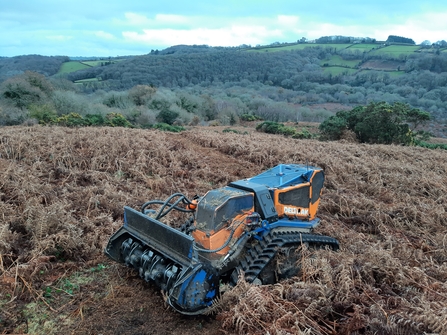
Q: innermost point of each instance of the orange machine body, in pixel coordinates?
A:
(223, 214)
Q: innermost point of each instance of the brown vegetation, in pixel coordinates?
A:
(61, 196)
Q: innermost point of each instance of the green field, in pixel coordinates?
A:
(93, 62)
(365, 47)
(280, 48)
(373, 48)
(299, 47)
(396, 50)
(71, 67)
(75, 65)
(337, 60)
(338, 46)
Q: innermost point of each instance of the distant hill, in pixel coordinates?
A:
(285, 65)
(48, 66)
(305, 74)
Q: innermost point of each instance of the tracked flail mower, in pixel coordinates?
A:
(246, 227)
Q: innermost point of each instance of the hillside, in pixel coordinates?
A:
(313, 74)
(11, 66)
(385, 57)
(263, 80)
(62, 195)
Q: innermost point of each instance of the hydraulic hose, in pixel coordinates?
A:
(168, 206)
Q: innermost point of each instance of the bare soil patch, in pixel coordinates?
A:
(384, 65)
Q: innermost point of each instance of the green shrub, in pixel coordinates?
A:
(303, 134)
(249, 117)
(377, 123)
(167, 116)
(94, 120)
(117, 120)
(168, 127)
(288, 131)
(427, 145)
(333, 127)
(44, 114)
(272, 127)
(72, 120)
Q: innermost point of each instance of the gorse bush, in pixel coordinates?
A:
(378, 123)
(94, 119)
(279, 128)
(72, 120)
(46, 115)
(333, 127)
(303, 134)
(117, 120)
(272, 127)
(249, 117)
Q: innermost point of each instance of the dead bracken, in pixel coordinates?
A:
(62, 193)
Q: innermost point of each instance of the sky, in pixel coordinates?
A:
(135, 27)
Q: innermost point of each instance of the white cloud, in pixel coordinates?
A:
(290, 21)
(159, 20)
(58, 38)
(132, 27)
(104, 35)
(173, 19)
(428, 26)
(226, 36)
(134, 19)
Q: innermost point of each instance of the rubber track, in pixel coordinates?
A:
(258, 257)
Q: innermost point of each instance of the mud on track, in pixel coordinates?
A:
(61, 196)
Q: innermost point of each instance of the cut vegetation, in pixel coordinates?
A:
(63, 191)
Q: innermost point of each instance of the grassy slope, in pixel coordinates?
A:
(337, 60)
(396, 50)
(72, 66)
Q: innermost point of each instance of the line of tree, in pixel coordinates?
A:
(344, 39)
(399, 39)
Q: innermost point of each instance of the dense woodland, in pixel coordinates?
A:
(202, 84)
(13, 66)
